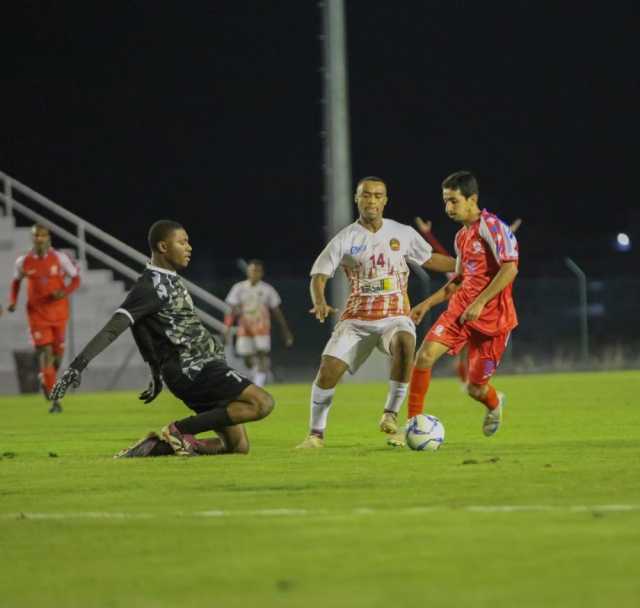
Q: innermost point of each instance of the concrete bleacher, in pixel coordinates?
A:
(92, 304)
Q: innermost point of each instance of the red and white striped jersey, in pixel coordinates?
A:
(375, 264)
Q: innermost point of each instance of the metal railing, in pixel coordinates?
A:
(78, 240)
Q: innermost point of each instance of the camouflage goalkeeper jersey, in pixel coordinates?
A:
(161, 303)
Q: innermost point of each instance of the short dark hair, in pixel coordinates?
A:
(37, 227)
(371, 178)
(160, 231)
(256, 262)
(465, 181)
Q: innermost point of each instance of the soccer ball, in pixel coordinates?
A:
(424, 433)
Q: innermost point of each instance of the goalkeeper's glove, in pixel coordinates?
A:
(153, 390)
(70, 378)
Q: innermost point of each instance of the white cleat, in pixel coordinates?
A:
(311, 442)
(397, 440)
(493, 417)
(389, 423)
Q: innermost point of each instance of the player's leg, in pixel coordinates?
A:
(485, 353)
(231, 440)
(57, 347)
(347, 349)
(399, 341)
(461, 364)
(262, 359)
(246, 348)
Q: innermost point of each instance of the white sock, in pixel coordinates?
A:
(321, 399)
(259, 378)
(396, 395)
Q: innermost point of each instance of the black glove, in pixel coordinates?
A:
(153, 390)
(70, 378)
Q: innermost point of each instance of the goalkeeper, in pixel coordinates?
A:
(182, 353)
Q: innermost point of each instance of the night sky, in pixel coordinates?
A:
(209, 113)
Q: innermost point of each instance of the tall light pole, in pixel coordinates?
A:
(337, 153)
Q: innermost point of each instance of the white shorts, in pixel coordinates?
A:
(352, 341)
(249, 345)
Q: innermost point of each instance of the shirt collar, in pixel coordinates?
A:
(150, 266)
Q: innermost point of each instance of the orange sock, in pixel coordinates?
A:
(49, 378)
(491, 398)
(420, 379)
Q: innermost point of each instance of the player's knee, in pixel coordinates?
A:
(425, 359)
(265, 404)
(241, 447)
(476, 391)
(404, 345)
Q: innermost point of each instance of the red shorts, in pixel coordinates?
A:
(43, 334)
(485, 352)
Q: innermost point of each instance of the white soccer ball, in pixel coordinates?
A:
(424, 433)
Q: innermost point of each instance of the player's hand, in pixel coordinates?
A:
(70, 378)
(153, 390)
(418, 312)
(423, 226)
(322, 311)
(11, 308)
(472, 312)
(58, 294)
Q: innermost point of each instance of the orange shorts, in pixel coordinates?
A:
(485, 352)
(43, 334)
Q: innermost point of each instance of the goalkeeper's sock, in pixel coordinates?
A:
(212, 420)
(321, 400)
(418, 387)
(48, 378)
(490, 398)
(395, 396)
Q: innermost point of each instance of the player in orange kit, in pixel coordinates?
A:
(46, 271)
(481, 312)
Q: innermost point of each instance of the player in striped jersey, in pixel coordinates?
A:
(481, 312)
(373, 253)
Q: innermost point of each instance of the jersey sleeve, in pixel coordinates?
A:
(329, 259)
(66, 263)
(18, 270)
(142, 301)
(273, 298)
(419, 251)
(233, 297)
(501, 240)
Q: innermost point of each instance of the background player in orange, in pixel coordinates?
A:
(373, 252)
(481, 313)
(253, 302)
(51, 277)
(460, 362)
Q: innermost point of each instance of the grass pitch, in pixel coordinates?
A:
(546, 513)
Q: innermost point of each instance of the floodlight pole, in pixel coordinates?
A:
(584, 320)
(335, 134)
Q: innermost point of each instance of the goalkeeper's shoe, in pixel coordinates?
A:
(311, 441)
(493, 418)
(181, 443)
(389, 423)
(55, 408)
(150, 445)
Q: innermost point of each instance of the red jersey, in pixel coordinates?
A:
(45, 275)
(481, 249)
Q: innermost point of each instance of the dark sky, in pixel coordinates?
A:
(209, 113)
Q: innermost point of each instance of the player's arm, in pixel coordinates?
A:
(504, 277)
(145, 346)
(321, 310)
(287, 336)
(71, 270)
(437, 297)
(440, 263)
(13, 294)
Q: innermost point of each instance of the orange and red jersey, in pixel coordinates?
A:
(45, 275)
(481, 249)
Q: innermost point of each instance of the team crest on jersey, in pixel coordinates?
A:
(356, 249)
(53, 270)
(439, 329)
(394, 244)
(476, 246)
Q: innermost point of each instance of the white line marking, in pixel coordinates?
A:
(356, 512)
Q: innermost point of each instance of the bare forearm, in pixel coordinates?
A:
(505, 276)
(440, 263)
(317, 287)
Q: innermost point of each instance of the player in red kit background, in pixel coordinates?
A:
(51, 276)
(481, 312)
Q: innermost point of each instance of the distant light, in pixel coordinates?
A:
(623, 242)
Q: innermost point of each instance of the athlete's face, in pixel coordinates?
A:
(41, 240)
(176, 249)
(371, 198)
(255, 272)
(458, 207)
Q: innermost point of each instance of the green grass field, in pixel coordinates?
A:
(546, 513)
